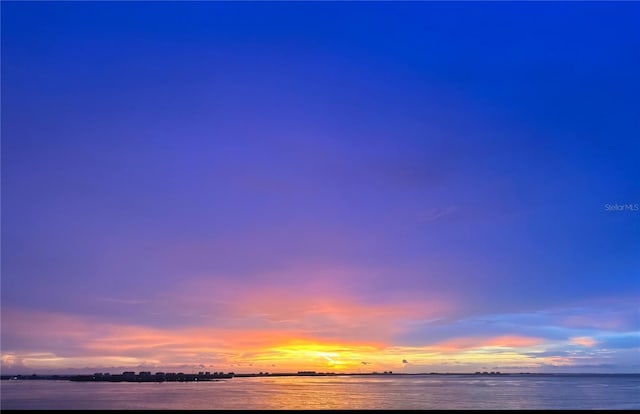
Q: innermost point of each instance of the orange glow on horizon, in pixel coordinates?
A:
(101, 344)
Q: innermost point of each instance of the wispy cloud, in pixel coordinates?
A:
(437, 213)
(584, 341)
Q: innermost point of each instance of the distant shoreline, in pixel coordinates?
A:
(181, 377)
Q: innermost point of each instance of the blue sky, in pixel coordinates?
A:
(426, 181)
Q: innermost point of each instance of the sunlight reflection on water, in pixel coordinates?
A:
(340, 392)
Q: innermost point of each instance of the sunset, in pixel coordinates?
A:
(328, 187)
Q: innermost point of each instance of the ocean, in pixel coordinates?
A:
(515, 391)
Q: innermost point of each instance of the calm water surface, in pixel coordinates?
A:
(340, 392)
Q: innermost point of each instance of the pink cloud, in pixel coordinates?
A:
(315, 301)
(584, 341)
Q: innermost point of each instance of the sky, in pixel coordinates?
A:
(328, 186)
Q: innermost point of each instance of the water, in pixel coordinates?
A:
(340, 392)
